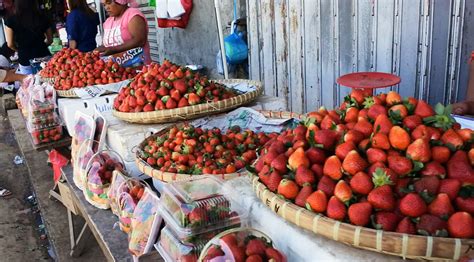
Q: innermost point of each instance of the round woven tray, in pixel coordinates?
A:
(196, 111)
(144, 167)
(403, 245)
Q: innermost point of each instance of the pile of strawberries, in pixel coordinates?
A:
(193, 150)
(71, 68)
(168, 86)
(378, 161)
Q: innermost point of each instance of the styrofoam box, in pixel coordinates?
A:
(68, 108)
(269, 103)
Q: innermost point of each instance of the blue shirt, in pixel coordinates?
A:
(83, 29)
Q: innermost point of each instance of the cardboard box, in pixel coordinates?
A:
(67, 198)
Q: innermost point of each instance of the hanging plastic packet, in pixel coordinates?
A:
(84, 129)
(83, 156)
(130, 195)
(117, 186)
(236, 50)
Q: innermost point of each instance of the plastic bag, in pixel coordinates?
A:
(145, 224)
(58, 161)
(117, 186)
(84, 128)
(183, 21)
(83, 156)
(236, 50)
(130, 194)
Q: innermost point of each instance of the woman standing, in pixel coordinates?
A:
(28, 32)
(125, 29)
(81, 26)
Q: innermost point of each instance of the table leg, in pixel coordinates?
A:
(81, 241)
(70, 220)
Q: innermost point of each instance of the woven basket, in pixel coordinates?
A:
(196, 111)
(144, 167)
(403, 245)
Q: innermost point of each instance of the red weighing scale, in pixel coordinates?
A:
(368, 81)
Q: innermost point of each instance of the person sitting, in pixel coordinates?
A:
(81, 26)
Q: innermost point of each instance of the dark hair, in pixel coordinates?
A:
(6, 51)
(81, 5)
(28, 13)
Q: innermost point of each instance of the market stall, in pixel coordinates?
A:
(195, 168)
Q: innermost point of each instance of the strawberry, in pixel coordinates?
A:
(364, 126)
(352, 114)
(412, 205)
(461, 225)
(441, 206)
(354, 163)
(343, 191)
(182, 102)
(406, 226)
(171, 104)
(380, 140)
(212, 252)
(252, 258)
(382, 198)
(451, 139)
(259, 165)
(419, 150)
(374, 167)
(459, 168)
(328, 122)
(298, 158)
(317, 202)
(278, 147)
(304, 193)
(376, 155)
(470, 155)
(197, 216)
(466, 134)
(238, 253)
(429, 184)
(423, 110)
(332, 168)
(174, 94)
(450, 186)
(317, 170)
(327, 185)
(361, 183)
(148, 108)
(288, 189)
(316, 155)
(398, 112)
(229, 240)
(343, 149)
(421, 131)
(274, 180)
(386, 221)
(399, 138)
(255, 246)
(274, 255)
(326, 138)
(353, 136)
(304, 175)
(359, 213)
(400, 165)
(411, 122)
(364, 145)
(383, 124)
(440, 154)
(393, 98)
(336, 209)
(465, 204)
(430, 225)
(375, 111)
(381, 177)
(279, 163)
(433, 169)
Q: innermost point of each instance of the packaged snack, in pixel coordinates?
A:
(117, 186)
(146, 223)
(197, 206)
(99, 175)
(84, 128)
(130, 194)
(83, 155)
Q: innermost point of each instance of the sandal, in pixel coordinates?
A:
(4, 192)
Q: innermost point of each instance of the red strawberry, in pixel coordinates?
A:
(343, 149)
(353, 136)
(273, 254)
(380, 140)
(336, 209)
(382, 198)
(461, 225)
(298, 158)
(401, 186)
(450, 186)
(358, 95)
(328, 122)
(332, 168)
(423, 110)
(412, 205)
(213, 251)
(255, 246)
(304, 193)
(400, 165)
(431, 225)
(433, 169)
(419, 150)
(343, 191)
(386, 221)
(429, 184)
(327, 185)
(364, 126)
(411, 122)
(421, 131)
(288, 189)
(406, 226)
(229, 240)
(253, 258)
(465, 204)
(458, 167)
(270, 156)
(171, 104)
(175, 95)
(326, 138)
(354, 163)
(359, 213)
(376, 155)
(466, 134)
(399, 138)
(274, 180)
(182, 102)
(451, 139)
(279, 163)
(441, 206)
(352, 115)
(278, 147)
(374, 167)
(316, 155)
(375, 111)
(393, 98)
(364, 145)
(361, 183)
(317, 170)
(317, 202)
(383, 124)
(304, 176)
(238, 253)
(470, 155)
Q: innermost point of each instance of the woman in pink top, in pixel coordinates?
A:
(125, 29)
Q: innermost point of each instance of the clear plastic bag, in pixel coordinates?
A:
(130, 193)
(117, 186)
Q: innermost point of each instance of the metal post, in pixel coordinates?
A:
(221, 38)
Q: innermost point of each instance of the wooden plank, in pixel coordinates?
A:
(296, 56)
(384, 36)
(364, 34)
(253, 39)
(312, 65)
(346, 42)
(281, 49)
(327, 55)
(268, 50)
(466, 49)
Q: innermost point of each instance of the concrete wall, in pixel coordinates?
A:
(199, 42)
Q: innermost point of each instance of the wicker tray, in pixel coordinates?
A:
(196, 111)
(403, 245)
(144, 167)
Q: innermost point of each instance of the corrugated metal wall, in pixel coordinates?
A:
(298, 48)
(149, 13)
